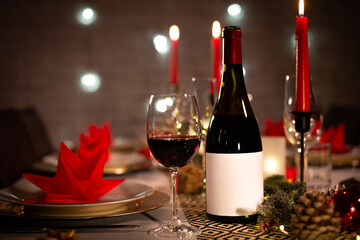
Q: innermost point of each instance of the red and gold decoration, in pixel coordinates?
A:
(347, 203)
(309, 215)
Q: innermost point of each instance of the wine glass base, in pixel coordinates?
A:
(175, 231)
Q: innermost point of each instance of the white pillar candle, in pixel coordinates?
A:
(274, 150)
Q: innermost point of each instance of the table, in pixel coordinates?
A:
(192, 210)
(195, 211)
(139, 223)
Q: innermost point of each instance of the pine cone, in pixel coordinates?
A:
(315, 218)
(267, 224)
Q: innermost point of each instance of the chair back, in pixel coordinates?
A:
(16, 150)
(37, 132)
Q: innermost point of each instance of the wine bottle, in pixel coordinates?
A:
(234, 170)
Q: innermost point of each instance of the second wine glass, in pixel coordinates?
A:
(314, 134)
(310, 137)
(173, 135)
(206, 93)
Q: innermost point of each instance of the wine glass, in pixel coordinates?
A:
(205, 91)
(316, 119)
(313, 135)
(173, 135)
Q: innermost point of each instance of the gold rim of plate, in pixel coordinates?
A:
(339, 160)
(109, 169)
(121, 169)
(84, 211)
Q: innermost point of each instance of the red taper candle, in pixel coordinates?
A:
(302, 93)
(216, 52)
(174, 34)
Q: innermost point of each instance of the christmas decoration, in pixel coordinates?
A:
(315, 218)
(347, 203)
(278, 205)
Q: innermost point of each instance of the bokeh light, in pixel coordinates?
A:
(86, 16)
(161, 44)
(162, 105)
(90, 82)
(234, 10)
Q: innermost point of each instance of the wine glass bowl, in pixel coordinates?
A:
(205, 90)
(316, 118)
(173, 135)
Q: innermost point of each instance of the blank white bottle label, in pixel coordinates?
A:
(234, 183)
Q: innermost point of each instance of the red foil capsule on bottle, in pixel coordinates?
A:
(232, 45)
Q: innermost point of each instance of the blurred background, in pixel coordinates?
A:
(47, 48)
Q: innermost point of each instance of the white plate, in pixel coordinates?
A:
(117, 200)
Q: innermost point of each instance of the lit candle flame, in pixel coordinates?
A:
(216, 29)
(271, 164)
(174, 32)
(301, 8)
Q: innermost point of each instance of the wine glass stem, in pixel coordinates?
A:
(174, 172)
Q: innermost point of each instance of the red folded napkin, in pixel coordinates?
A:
(76, 180)
(145, 151)
(317, 127)
(274, 128)
(336, 137)
(99, 138)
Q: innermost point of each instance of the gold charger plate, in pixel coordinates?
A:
(119, 163)
(125, 162)
(136, 198)
(346, 159)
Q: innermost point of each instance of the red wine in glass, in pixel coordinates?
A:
(173, 151)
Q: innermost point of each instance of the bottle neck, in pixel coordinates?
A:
(232, 50)
(233, 78)
(233, 98)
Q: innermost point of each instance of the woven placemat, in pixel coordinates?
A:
(194, 209)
